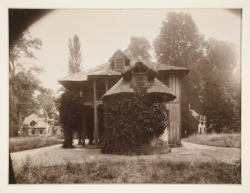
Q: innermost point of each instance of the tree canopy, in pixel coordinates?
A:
(23, 80)
(75, 56)
(210, 87)
(139, 48)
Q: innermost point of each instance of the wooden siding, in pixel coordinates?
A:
(174, 107)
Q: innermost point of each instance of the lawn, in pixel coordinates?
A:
(218, 140)
(136, 171)
(25, 143)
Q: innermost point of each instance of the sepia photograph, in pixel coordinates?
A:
(125, 96)
(135, 96)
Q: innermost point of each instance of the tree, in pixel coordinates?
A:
(179, 43)
(75, 56)
(70, 111)
(23, 81)
(220, 91)
(75, 59)
(46, 101)
(140, 48)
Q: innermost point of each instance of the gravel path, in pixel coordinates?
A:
(55, 155)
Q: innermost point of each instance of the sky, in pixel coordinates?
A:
(103, 31)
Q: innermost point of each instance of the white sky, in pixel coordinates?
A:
(102, 32)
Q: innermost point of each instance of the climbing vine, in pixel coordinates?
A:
(131, 122)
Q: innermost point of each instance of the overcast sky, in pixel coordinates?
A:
(102, 32)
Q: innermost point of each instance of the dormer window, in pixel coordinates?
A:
(140, 79)
(119, 61)
(119, 64)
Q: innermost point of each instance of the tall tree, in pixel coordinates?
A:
(140, 48)
(179, 43)
(220, 90)
(23, 81)
(75, 56)
(75, 60)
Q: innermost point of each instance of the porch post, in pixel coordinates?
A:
(83, 127)
(106, 84)
(95, 116)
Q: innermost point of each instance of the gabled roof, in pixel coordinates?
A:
(155, 88)
(27, 120)
(140, 64)
(121, 87)
(106, 72)
(127, 59)
(106, 69)
(41, 124)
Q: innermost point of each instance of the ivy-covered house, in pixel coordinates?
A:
(101, 82)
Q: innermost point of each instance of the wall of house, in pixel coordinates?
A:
(173, 82)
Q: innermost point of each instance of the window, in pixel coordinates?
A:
(140, 80)
(41, 131)
(119, 64)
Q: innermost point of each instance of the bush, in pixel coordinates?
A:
(25, 143)
(218, 140)
(70, 111)
(131, 122)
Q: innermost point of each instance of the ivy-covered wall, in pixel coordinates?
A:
(131, 122)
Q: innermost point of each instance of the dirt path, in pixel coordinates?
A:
(55, 155)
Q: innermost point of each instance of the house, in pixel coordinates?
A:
(97, 83)
(197, 122)
(34, 125)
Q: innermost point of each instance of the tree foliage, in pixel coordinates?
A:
(70, 111)
(220, 90)
(131, 122)
(75, 56)
(179, 43)
(209, 87)
(46, 101)
(139, 48)
(23, 80)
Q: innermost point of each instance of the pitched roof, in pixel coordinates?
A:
(105, 72)
(30, 118)
(121, 52)
(194, 114)
(105, 68)
(41, 124)
(139, 64)
(156, 88)
(120, 87)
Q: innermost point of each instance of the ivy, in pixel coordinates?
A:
(131, 122)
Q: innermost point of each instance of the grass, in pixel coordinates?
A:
(137, 171)
(25, 143)
(218, 140)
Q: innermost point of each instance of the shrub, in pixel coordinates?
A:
(70, 111)
(131, 122)
(25, 143)
(219, 140)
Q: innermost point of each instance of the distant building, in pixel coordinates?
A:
(34, 125)
(197, 122)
